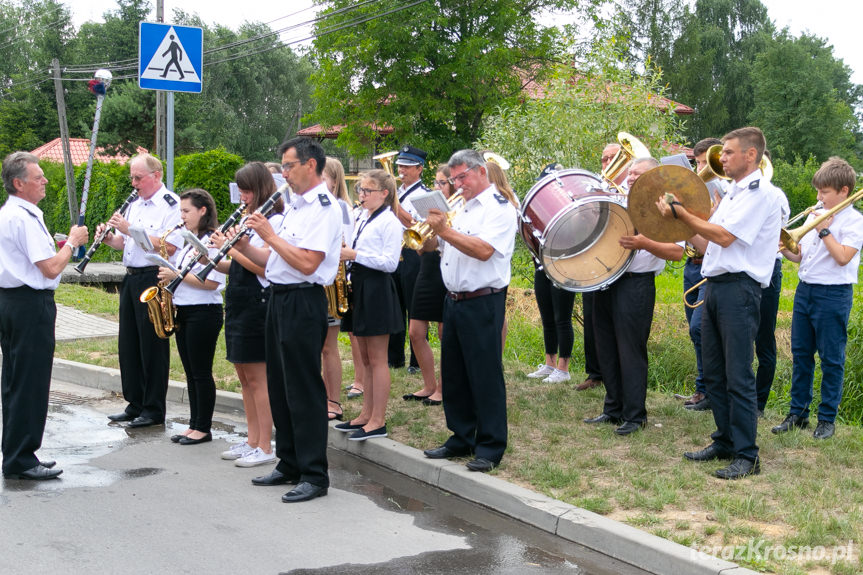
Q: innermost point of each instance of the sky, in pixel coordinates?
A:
(829, 19)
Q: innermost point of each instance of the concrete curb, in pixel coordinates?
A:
(606, 536)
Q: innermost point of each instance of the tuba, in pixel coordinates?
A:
(415, 236)
(160, 302)
(630, 148)
(387, 160)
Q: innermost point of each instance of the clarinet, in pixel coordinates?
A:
(175, 283)
(232, 219)
(97, 241)
(264, 210)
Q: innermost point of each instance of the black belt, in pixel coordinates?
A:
(279, 288)
(24, 289)
(638, 274)
(729, 277)
(143, 270)
(463, 295)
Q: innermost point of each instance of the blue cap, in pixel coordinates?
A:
(410, 156)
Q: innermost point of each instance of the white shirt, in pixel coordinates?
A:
(754, 217)
(817, 266)
(312, 221)
(404, 197)
(186, 294)
(348, 221)
(24, 240)
(786, 213)
(255, 240)
(644, 261)
(490, 217)
(155, 215)
(379, 244)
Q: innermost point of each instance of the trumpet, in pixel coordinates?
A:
(97, 241)
(264, 210)
(418, 234)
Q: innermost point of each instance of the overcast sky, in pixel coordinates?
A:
(830, 19)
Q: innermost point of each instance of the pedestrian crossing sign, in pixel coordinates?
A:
(170, 57)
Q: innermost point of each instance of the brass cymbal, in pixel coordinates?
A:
(647, 189)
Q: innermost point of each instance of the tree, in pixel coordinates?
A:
(578, 114)
(805, 100)
(432, 70)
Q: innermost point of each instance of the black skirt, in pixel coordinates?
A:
(245, 316)
(429, 292)
(374, 304)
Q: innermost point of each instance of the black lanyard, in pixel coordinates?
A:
(409, 190)
(365, 223)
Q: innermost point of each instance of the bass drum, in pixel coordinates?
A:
(572, 226)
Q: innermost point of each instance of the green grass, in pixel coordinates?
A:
(809, 493)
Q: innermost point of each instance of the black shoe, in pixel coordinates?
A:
(38, 473)
(275, 477)
(142, 421)
(603, 418)
(428, 401)
(123, 416)
(629, 427)
(303, 492)
(189, 441)
(791, 421)
(177, 438)
(709, 453)
(480, 464)
(739, 468)
(49, 463)
(824, 430)
(347, 426)
(413, 370)
(702, 404)
(442, 452)
(361, 434)
(414, 397)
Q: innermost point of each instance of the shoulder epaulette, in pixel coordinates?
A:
(325, 201)
(501, 199)
(171, 201)
(753, 185)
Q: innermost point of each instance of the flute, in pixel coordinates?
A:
(264, 210)
(97, 241)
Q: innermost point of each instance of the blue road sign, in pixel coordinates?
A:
(170, 58)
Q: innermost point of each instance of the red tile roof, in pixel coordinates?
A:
(79, 149)
(318, 131)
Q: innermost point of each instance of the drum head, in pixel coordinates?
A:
(580, 251)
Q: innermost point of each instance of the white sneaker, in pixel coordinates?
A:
(542, 371)
(237, 451)
(256, 457)
(557, 376)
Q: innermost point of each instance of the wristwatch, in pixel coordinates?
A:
(824, 233)
(72, 247)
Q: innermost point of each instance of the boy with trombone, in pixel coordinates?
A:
(829, 254)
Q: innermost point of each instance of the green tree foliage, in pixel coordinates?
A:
(795, 179)
(213, 171)
(432, 71)
(804, 99)
(578, 114)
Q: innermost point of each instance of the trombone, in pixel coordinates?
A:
(790, 239)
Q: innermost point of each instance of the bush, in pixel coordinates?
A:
(212, 171)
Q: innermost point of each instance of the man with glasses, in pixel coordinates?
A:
(476, 252)
(301, 257)
(144, 356)
(410, 163)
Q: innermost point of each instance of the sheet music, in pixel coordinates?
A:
(142, 238)
(161, 262)
(423, 202)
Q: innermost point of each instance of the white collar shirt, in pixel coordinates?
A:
(313, 221)
(404, 197)
(644, 262)
(751, 212)
(379, 241)
(25, 240)
(156, 216)
(187, 294)
(254, 239)
(490, 217)
(817, 266)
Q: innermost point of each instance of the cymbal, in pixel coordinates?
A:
(647, 189)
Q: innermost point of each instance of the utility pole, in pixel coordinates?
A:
(161, 109)
(64, 142)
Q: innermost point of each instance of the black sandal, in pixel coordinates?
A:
(338, 416)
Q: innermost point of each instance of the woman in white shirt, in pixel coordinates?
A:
(199, 317)
(373, 256)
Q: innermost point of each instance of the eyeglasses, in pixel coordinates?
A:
(366, 191)
(288, 166)
(139, 178)
(455, 180)
(441, 183)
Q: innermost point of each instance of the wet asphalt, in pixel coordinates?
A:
(130, 501)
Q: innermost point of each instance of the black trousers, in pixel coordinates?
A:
(622, 316)
(296, 328)
(474, 397)
(555, 310)
(405, 277)
(27, 319)
(144, 358)
(198, 328)
(728, 327)
(591, 359)
(765, 339)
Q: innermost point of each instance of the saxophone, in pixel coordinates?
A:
(160, 302)
(338, 302)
